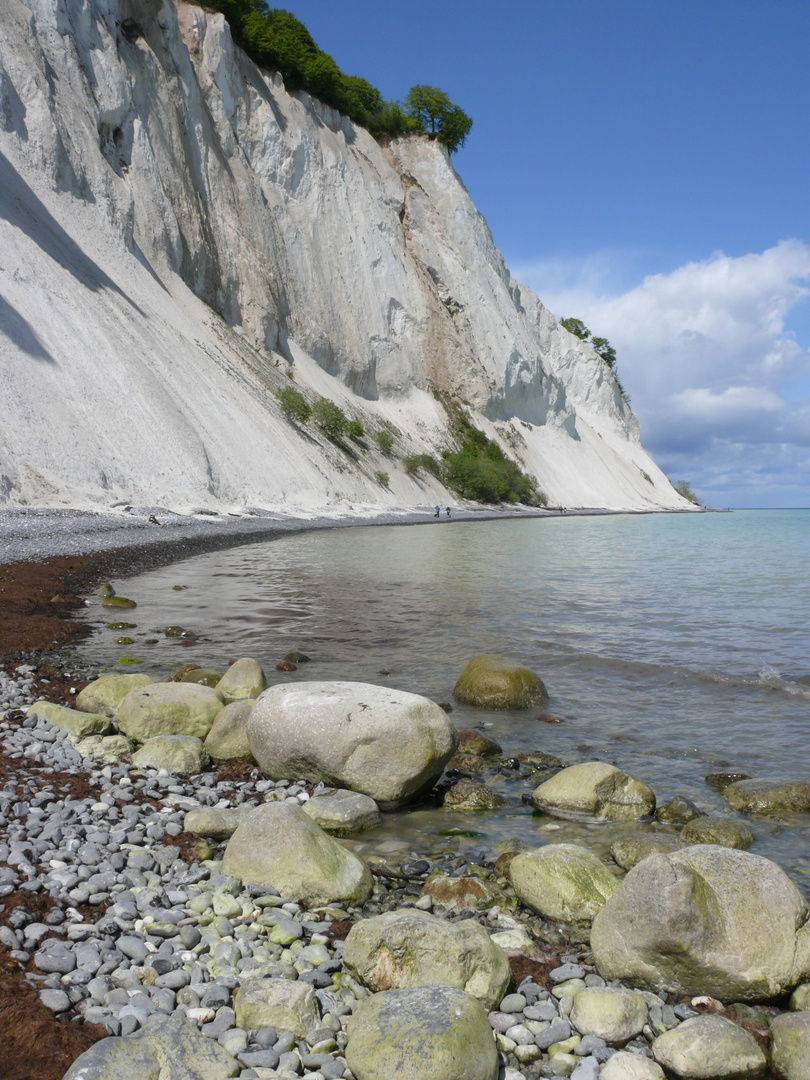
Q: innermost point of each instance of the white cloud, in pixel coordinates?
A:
(703, 352)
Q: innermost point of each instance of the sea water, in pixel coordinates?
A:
(674, 645)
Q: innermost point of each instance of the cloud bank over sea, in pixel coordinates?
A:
(720, 384)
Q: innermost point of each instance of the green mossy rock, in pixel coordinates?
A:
(105, 590)
(471, 795)
(277, 844)
(705, 920)
(631, 849)
(106, 693)
(562, 881)
(710, 1048)
(228, 740)
(613, 1015)
(117, 602)
(169, 709)
(678, 811)
(790, 1045)
(202, 676)
(180, 755)
(596, 790)
(769, 796)
(461, 893)
(76, 723)
(421, 1033)
(718, 830)
(107, 748)
(493, 682)
(471, 741)
(166, 1048)
(468, 763)
(277, 1003)
(412, 948)
(244, 679)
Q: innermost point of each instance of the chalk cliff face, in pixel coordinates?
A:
(180, 238)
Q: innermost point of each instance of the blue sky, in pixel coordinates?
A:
(645, 167)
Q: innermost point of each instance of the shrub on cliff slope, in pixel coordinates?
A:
(276, 39)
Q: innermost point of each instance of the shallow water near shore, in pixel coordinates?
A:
(672, 645)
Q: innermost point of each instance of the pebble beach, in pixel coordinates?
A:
(119, 919)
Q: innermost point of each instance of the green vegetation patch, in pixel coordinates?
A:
(479, 469)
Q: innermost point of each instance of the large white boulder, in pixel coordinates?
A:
(562, 881)
(594, 789)
(169, 709)
(705, 920)
(385, 743)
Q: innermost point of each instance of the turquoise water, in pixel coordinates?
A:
(672, 645)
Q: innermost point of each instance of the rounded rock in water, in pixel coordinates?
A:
(494, 682)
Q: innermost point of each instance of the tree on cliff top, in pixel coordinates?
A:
(433, 110)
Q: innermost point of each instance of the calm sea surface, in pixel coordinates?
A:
(672, 645)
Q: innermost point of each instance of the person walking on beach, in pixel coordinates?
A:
(438, 512)
(448, 511)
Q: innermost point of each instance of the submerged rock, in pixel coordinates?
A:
(422, 1033)
(763, 796)
(471, 741)
(597, 790)
(279, 845)
(718, 830)
(412, 948)
(385, 743)
(705, 920)
(562, 881)
(629, 850)
(493, 682)
(472, 795)
(169, 709)
(678, 811)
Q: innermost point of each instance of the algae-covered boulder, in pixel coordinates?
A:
(192, 673)
(471, 741)
(276, 1003)
(632, 848)
(106, 693)
(765, 796)
(216, 822)
(705, 920)
(244, 679)
(678, 811)
(277, 844)
(790, 1045)
(385, 743)
(493, 682)
(471, 795)
(412, 948)
(615, 1015)
(710, 1048)
(117, 602)
(180, 755)
(75, 723)
(107, 748)
(228, 739)
(169, 709)
(718, 830)
(594, 789)
(562, 881)
(461, 893)
(343, 813)
(421, 1033)
(166, 1048)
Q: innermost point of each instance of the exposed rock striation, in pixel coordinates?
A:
(172, 217)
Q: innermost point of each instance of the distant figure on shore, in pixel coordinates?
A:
(448, 511)
(438, 512)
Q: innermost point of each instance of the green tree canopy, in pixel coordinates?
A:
(603, 348)
(576, 327)
(433, 110)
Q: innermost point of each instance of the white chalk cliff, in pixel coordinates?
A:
(180, 238)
